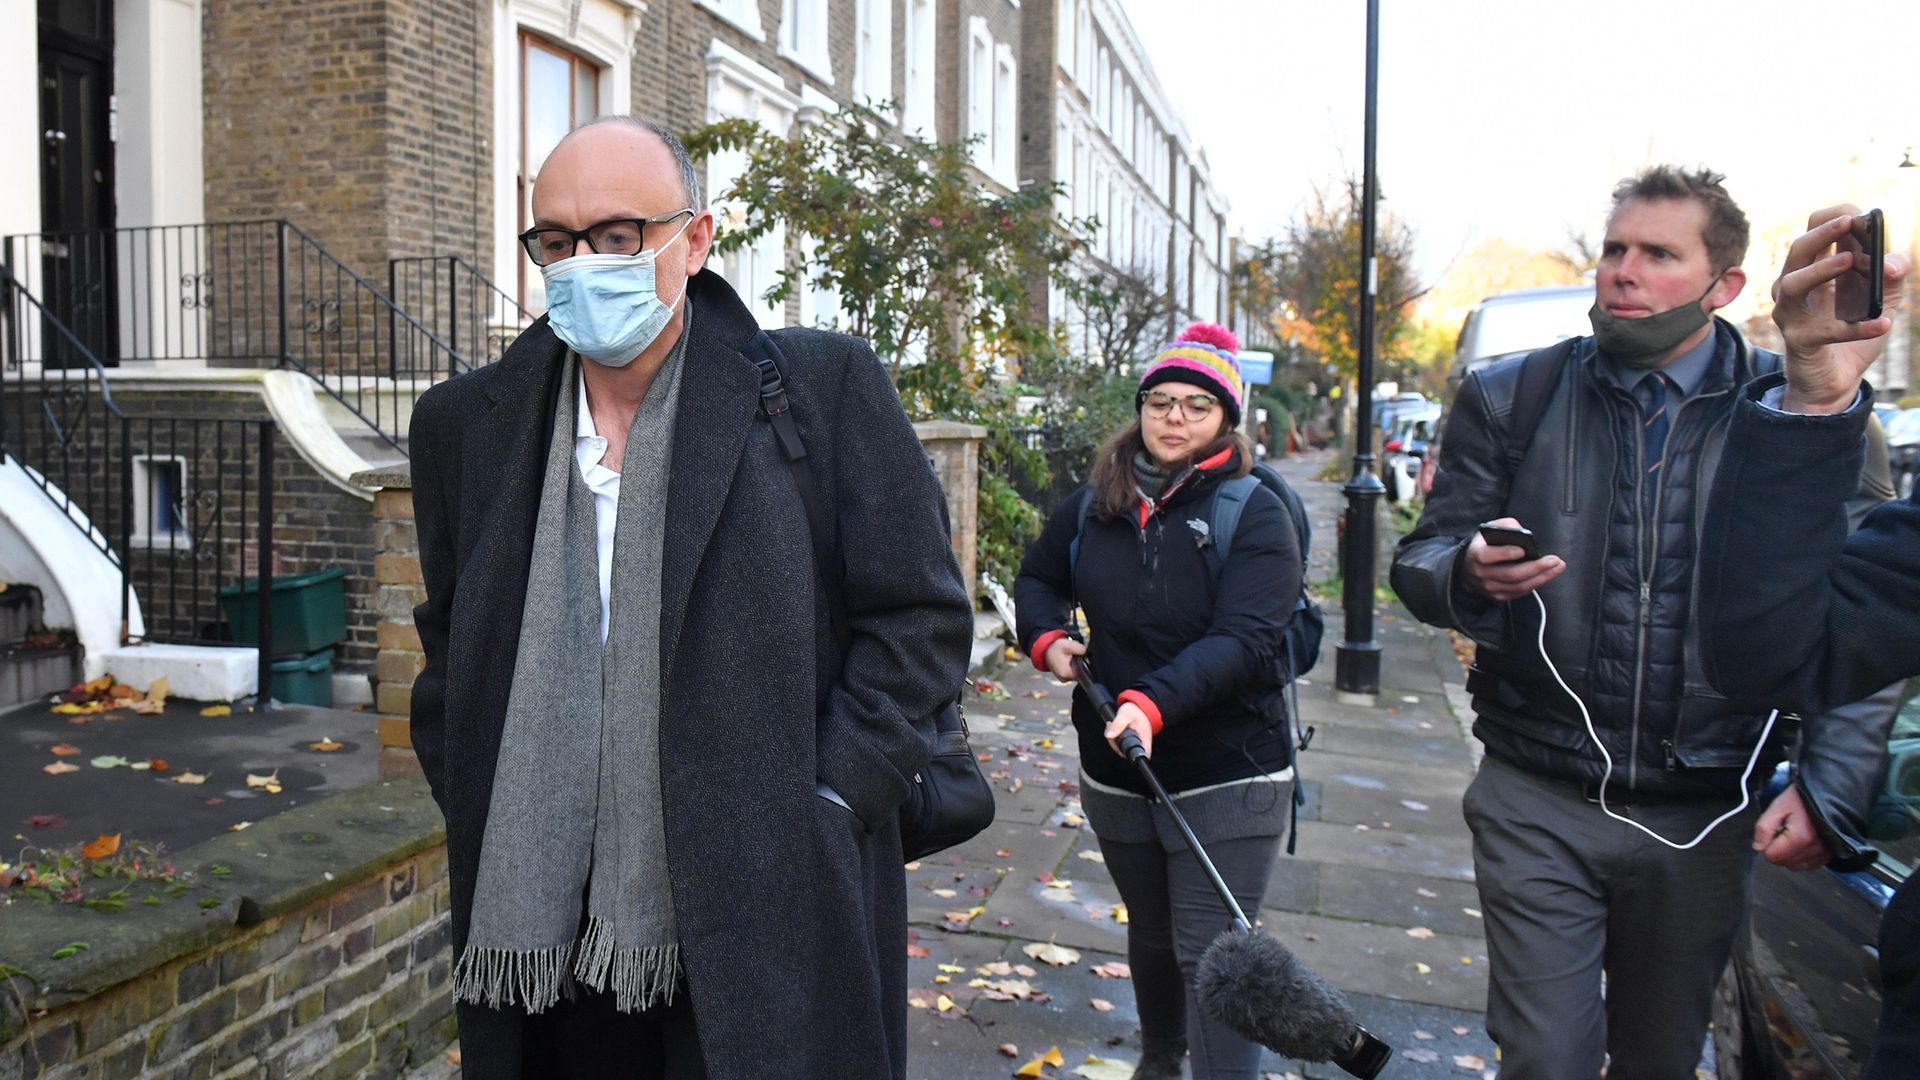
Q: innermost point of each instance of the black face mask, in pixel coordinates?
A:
(1640, 343)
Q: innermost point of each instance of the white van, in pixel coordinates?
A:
(1520, 322)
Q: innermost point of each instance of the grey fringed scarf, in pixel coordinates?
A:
(576, 808)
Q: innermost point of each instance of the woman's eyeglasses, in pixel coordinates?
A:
(1195, 407)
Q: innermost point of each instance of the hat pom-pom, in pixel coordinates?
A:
(1212, 334)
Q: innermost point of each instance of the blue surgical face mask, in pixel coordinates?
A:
(605, 307)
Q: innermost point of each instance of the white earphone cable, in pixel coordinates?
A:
(1746, 796)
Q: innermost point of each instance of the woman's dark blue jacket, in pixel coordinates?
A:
(1200, 657)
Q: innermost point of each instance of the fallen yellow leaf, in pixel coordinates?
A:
(90, 708)
(952, 969)
(99, 685)
(1102, 1004)
(217, 710)
(239, 825)
(1120, 914)
(59, 767)
(1053, 1058)
(942, 980)
(270, 783)
(101, 846)
(190, 778)
(326, 745)
(943, 1003)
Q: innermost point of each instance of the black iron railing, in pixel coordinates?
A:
(181, 505)
(461, 306)
(233, 294)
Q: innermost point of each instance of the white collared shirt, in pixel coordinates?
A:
(589, 449)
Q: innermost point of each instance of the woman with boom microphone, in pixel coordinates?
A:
(1190, 643)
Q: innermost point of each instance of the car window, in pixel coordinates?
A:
(1894, 826)
(1904, 429)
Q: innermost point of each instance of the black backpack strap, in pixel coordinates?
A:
(1229, 502)
(778, 409)
(1538, 374)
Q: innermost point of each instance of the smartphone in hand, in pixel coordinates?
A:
(1511, 536)
(1858, 293)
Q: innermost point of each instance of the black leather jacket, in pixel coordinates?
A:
(1671, 733)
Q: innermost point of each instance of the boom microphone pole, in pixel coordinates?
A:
(1247, 980)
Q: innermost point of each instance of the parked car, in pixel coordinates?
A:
(1404, 451)
(1801, 998)
(1903, 448)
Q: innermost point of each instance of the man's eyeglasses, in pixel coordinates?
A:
(1195, 407)
(619, 236)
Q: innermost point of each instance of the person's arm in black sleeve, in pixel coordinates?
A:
(909, 619)
(1798, 613)
(433, 525)
(1470, 486)
(1252, 602)
(1043, 591)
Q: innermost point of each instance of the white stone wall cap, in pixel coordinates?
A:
(193, 672)
(947, 429)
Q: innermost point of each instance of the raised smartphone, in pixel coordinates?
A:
(1858, 293)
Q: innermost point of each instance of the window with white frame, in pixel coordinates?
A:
(737, 86)
(1083, 40)
(803, 37)
(918, 112)
(1102, 86)
(1063, 26)
(557, 65)
(980, 89)
(873, 51)
(160, 499)
(1006, 88)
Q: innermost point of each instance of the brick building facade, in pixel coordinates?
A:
(392, 132)
(1099, 123)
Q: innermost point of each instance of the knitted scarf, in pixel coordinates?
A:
(575, 822)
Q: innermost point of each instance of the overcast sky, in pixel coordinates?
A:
(1515, 117)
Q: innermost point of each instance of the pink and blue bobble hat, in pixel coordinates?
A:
(1205, 356)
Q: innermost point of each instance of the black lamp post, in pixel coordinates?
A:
(1357, 658)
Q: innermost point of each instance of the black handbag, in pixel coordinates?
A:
(950, 801)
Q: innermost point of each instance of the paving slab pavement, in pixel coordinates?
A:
(150, 805)
(1382, 851)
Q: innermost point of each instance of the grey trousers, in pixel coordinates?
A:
(1569, 892)
(1173, 914)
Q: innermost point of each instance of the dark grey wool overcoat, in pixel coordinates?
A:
(791, 911)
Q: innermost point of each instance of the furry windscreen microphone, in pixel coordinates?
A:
(1256, 986)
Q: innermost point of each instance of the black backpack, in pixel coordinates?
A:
(1309, 623)
(950, 802)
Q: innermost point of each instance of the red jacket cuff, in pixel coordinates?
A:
(1145, 705)
(1040, 646)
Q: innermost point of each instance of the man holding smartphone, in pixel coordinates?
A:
(1795, 609)
(1598, 452)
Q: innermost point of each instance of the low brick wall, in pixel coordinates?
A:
(327, 955)
(953, 449)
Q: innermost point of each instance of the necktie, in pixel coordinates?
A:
(1651, 394)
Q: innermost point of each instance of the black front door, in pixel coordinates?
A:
(76, 245)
